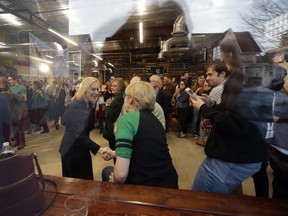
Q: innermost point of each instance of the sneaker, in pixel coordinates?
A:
(183, 135)
(196, 136)
(37, 129)
(44, 131)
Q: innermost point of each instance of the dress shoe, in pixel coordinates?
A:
(14, 143)
(21, 146)
(29, 131)
(57, 126)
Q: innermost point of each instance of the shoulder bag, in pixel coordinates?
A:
(21, 191)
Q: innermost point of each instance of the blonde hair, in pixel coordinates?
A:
(84, 86)
(142, 94)
(156, 78)
(120, 83)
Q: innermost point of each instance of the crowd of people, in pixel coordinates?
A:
(137, 117)
(34, 102)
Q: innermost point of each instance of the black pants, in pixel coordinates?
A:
(19, 131)
(167, 113)
(77, 164)
(261, 182)
(279, 164)
(183, 114)
(40, 120)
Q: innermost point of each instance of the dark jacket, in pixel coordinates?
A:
(79, 121)
(112, 113)
(164, 100)
(182, 101)
(5, 120)
(233, 138)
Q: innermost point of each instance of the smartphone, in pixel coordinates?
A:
(190, 91)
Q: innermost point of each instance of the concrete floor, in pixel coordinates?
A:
(186, 155)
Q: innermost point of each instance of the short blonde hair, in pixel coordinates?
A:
(156, 78)
(84, 86)
(142, 94)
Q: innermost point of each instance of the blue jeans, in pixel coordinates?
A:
(222, 177)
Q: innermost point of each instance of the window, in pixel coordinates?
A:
(216, 53)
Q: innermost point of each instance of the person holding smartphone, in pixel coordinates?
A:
(182, 107)
(235, 148)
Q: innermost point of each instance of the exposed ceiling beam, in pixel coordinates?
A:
(31, 18)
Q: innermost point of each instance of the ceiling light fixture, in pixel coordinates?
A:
(141, 7)
(141, 31)
(41, 60)
(3, 44)
(49, 56)
(111, 64)
(65, 38)
(44, 68)
(97, 57)
(11, 19)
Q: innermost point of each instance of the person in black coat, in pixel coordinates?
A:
(235, 149)
(76, 144)
(113, 109)
(5, 120)
(162, 98)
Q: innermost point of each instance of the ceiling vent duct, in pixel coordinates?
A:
(174, 46)
(179, 27)
(178, 44)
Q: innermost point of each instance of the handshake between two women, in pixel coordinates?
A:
(107, 153)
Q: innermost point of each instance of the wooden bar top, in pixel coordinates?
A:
(106, 198)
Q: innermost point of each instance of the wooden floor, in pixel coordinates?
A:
(186, 155)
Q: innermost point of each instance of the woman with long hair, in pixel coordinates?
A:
(76, 143)
(182, 107)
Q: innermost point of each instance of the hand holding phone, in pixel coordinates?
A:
(190, 91)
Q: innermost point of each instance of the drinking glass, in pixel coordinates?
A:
(76, 205)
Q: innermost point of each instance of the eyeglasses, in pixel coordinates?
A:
(124, 95)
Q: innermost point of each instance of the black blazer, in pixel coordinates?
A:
(79, 121)
(164, 100)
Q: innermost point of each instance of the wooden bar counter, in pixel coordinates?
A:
(117, 199)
